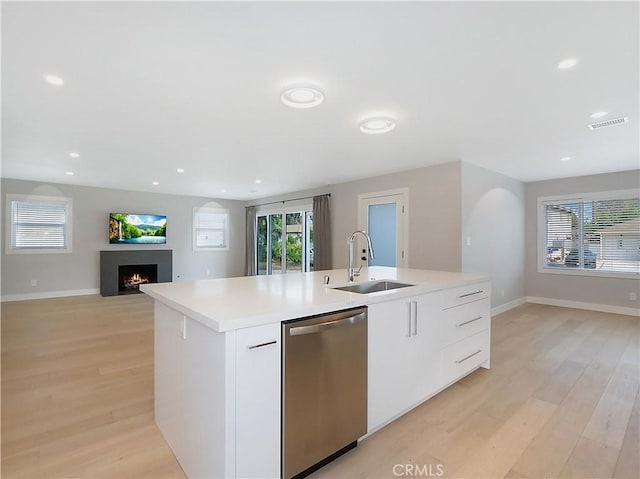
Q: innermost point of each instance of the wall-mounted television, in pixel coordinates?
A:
(127, 228)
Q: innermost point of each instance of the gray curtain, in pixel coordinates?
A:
(250, 242)
(322, 233)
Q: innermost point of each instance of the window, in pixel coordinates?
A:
(285, 249)
(210, 229)
(590, 234)
(39, 224)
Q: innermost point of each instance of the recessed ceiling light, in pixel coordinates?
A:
(223, 190)
(567, 63)
(155, 183)
(565, 158)
(258, 182)
(68, 173)
(599, 114)
(180, 170)
(302, 96)
(374, 126)
(54, 80)
(73, 154)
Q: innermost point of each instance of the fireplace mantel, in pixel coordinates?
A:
(110, 261)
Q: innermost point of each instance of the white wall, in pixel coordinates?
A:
(585, 289)
(434, 213)
(79, 271)
(493, 219)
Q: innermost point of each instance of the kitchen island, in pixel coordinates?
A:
(218, 355)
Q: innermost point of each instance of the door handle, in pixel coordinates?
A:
(470, 321)
(320, 327)
(415, 317)
(409, 319)
(460, 361)
(255, 346)
(470, 294)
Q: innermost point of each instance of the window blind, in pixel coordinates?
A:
(38, 225)
(593, 234)
(210, 229)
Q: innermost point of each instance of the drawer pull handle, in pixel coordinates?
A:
(470, 321)
(459, 361)
(470, 294)
(255, 346)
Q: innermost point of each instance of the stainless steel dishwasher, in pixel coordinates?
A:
(324, 389)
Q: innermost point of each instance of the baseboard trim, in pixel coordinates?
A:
(603, 308)
(50, 294)
(507, 306)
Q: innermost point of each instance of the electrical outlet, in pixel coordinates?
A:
(34, 282)
(468, 240)
(633, 296)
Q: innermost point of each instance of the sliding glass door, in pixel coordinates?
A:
(284, 242)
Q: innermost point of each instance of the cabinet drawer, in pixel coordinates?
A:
(464, 356)
(257, 408)
(459, 322)
(465, 294)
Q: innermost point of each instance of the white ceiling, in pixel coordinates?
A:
(151, 87)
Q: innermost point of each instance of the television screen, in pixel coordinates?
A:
(137, 229)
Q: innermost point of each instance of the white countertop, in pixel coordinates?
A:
(234, 303)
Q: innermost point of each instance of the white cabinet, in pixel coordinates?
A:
(217, 396)
(465, 356)
(401, 355)
(193, 393)
(459, 322)
(464, 331)
(258, 352)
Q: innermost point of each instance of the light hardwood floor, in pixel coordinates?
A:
(561, 400)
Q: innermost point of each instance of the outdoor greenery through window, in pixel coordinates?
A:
(39, 224)
(593, 233)
(284, 242)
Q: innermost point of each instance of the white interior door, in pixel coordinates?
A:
(383, 216)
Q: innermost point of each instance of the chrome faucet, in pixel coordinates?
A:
(372, 254)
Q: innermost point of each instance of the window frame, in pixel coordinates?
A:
(194, 229)
(62, 200)
(541, 246)
(283, 208)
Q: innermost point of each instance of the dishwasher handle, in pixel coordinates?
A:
(320, 327)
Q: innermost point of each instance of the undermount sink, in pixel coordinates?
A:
(373, 286)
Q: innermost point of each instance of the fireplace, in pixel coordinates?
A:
(122, 272)
(131, 276)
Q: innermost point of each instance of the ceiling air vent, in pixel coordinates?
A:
(606, 123)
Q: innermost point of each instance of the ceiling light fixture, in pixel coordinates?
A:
(377, 125)
(68, 173)
(565, 158)
(223, 190)
(567, 63)
(302, 96)
(180, 170)
(155, 183)
(73, 154)
(599, 114)
(54, 80)
(258, 182)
